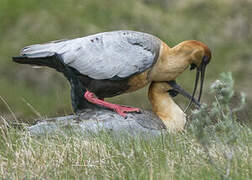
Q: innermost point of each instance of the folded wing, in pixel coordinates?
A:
(104, 55)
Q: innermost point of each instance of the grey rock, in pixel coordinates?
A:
(96, 120)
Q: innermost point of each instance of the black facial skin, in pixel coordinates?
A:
(193, 66)
(173, 92)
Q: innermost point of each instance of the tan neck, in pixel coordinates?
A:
(170, 64)
(165, 108)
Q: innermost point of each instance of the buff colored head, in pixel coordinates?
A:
(199, 55)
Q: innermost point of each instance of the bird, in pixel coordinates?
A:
(165, 115)
(111, 63)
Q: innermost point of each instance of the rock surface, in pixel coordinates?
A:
(95, 120)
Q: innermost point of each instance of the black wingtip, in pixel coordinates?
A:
(38, 61)
(19, 59)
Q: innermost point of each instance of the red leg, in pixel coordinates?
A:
(119, 109)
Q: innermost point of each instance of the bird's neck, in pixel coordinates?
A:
(165, 108)
(170, 63)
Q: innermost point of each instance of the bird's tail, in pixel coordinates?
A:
(38, 54)
(45, 55)
(42, 61)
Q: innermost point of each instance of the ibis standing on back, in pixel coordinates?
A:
(112, 63)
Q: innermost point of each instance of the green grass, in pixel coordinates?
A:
(223, 25)
(105, 156)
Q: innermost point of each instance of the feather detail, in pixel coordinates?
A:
(104, 55)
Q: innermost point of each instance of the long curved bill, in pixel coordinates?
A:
(179, 89)
(202, 77)
(194, 90)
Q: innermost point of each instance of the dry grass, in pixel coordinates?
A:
(105, 156)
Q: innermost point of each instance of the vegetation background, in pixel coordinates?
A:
(224, 25)
(213, 146)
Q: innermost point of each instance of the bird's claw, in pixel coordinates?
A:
(122, 109)
(117, 108)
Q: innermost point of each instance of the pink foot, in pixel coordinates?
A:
(117, 108)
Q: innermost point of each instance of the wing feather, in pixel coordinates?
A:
(104, 55)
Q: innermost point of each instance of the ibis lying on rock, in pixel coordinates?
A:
(111, 63)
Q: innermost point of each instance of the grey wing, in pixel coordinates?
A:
(109, 54)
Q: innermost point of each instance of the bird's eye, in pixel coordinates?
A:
(193, 66)
(173, 92)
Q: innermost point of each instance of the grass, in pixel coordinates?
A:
(108, 157)
(214, 145)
